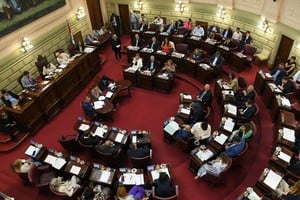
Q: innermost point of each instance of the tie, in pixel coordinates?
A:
(137, 43)
(215, 61)
(225, 35)
(152, 45)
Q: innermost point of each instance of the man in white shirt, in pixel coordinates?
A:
(237, 35)
(198, 31)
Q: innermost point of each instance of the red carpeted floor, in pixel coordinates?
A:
(147, 109)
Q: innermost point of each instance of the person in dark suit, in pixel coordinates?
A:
(205, 96)
(152, 64)
(245, 95)
(286, 85)
(104, 82)
(227, 33)
(137, 41)
(88, 107)
(87, 139)
(115, 22)
(107, 147)
(143, 26)
(216, 60)
(246, 39)
(278, 74)
(212, 28)
(170, 28)
(138, 152)
(294, 165)
(10, 99)
(8, 125)
(163, 186)
(116, 46)
(248, 112)
(238, 145)
(153, 44)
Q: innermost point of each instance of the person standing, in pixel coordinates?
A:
(116, 46)
(134, 20)
(115, 22)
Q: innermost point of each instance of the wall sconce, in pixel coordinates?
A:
(298, 45)
(180, 7)
(139, 5)
(26, 45)
(221, 12)
(264, 25)
(80, 13)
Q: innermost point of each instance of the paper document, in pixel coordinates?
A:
(50, 159)
(229, 125)
(226, 87)
(204, 155)
(171, 127)
(283, 156)
(286, 102)
(221, 138)
(84, 127)
(268, 75)
(129, 178)
(75, 170)
(98, 104)
(185, 111)
(289, 134)
(187, 96)
(104, 176)
(272, 179)
(139, 179)
(119, 137)
(134, 139)
(109, 94)
(88, 49)
(232, 109)
(101, 98)
(253, 196)
(62, 66)
(99, 132)
(32, 151)
(155, 173)
(205, 66)
(59, 163)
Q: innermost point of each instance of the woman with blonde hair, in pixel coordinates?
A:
(291, 193)
(136, 192)
(22, 165)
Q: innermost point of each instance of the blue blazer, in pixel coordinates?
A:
(219, 62)
(88, 108)
(235, 149)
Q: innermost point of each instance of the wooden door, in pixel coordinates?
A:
(95, 14)
(124, 18)
(284, 49)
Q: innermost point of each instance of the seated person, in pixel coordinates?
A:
(248, 112)
(216, 60)
(28, 82)
(244, 132)
(229, 42)
(233, 82)
(286, 85)
(137, 41)
(296, 78)
(96, 192)
(170, 28)
(197, 112)
(153, 44)
(245, 95)
(214, 28)
(48, 70)
(169, 67)
(188, 24)
(91, 39)
(198, 31)
(290, 66)
(62, 58)
(196, 55)
(137, 62)
(278, 73)
(163, 186)
(294, 165)
(205, 96)
(179, 24)
(87, 138)
(9, 126)
(22, 165)
(104, 82)
(167, 46)
(67, 187)
(184, 133)
(138, 152)
(108, 147)
(95, 92)
(201, 131)
(236, 147)
(237, 35)
(227, 33)
(11, 99)
(143, 26)
(152, 64)
(213, 36)
(88, 108)
(214, 167)
(246, 39)
(135, 193)
(285, 191)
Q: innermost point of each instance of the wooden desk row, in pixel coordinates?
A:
(55, 94)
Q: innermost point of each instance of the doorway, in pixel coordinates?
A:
(124, 18)
(284, 50)
(95, 14)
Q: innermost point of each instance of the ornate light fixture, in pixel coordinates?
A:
(139, 5)
(180, 7)
(26, 45)
(264, 25)
(221, 12)
(80, 13)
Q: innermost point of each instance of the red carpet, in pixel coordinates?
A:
(148, 110)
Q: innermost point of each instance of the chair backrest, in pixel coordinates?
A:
(249, 50)
(175, 196)
(244, 150)
(182, 48)
(69, 143)
(40, 63)
(207, 113)
(243, 83)
(186, 145)
(141, 162)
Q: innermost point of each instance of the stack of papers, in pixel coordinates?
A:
(229, 125)
(171, 127)
(283, 156)
(289, 134)
(119, 137)
(195, 38)
(62, 66)
(104, 176)
(32, 151)
(221, 138)
(134, 138)
(186, 111)
(155, 173)
(187, 96)
(272, 179)
(204, 155)
(133, 179)
(75, 170)
(109, 94)
(232, 109)
(98, 104)
(100, 132)
(55, 162)
(253, 196)
(205, 66)
(227, 87)
(88, 49)
(101, 98)
(285, 102)
(84, 127)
